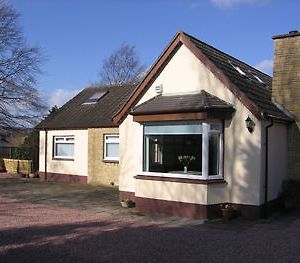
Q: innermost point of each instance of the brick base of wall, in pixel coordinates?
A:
(196, 211)
(57, 177)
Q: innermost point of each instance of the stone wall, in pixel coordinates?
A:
(286, 90)
(101, 172)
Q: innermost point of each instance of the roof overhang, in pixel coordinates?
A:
(182, 116)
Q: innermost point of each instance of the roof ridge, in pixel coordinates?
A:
(99, 86)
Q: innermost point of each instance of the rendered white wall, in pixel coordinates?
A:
(242, 156)
(78, 166)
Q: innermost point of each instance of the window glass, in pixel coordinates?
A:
(111, 147)
(214, 153)
(190, 148)
(168, 148)
(185, 128)
(64, 150)
(112, 150)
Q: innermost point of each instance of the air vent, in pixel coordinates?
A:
(159, 89)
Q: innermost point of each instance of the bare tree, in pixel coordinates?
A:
(20, 102)
(123, 66)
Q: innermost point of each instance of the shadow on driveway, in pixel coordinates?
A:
(56, 222)
(117, 242)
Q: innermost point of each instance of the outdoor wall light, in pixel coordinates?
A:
(250, 124)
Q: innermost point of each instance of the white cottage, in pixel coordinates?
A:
(200, 130)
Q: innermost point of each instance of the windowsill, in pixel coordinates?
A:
(110, 161)
(179, 178)
(62, 159)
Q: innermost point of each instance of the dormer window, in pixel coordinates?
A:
(95, 98)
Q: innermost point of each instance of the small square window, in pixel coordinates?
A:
(111, 147)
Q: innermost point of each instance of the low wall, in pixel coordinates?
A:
(17, 166)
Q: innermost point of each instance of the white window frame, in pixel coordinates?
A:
(111, 139)
(63, 139)
(205, 154)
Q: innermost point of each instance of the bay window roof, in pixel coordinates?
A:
(187, 103)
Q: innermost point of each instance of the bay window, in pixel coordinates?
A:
(183, 149)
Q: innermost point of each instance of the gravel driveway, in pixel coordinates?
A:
(38, 232)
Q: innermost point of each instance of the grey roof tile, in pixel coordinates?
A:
(76, 115)
(256, 85)
(198, 102)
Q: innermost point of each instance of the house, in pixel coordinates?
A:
(79, 142)
(204, 128)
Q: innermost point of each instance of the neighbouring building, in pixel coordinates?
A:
(286, 91)
(79, 142)
(202, 129)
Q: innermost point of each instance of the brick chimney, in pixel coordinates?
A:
(286, 90)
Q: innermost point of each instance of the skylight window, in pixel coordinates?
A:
(95, 98)
(238, 69)
(258, 79)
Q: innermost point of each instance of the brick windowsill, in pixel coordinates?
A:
(180, 180)
(110, 161)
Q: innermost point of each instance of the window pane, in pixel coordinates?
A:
(112, 150)
(214, 154)
(65, 150)
(161, 153)
(190, 128)
(112, 138)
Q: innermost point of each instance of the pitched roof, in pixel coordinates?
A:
(199, 102)
(79, 112)
(249, 85)
(254, 84)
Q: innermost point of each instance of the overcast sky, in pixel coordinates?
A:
(76, 35)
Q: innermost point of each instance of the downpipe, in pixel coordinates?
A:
(266, 210)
